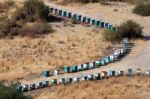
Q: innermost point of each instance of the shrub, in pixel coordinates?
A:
(129, 29)
(10, 92)
(33, 12)
(142, 9)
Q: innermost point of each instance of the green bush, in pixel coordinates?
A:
(142, 9)
(129, 29)
(10, 92)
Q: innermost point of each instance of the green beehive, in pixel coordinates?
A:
(84, 19)
(65, 13)
(110, 27)
(111, 58)
(60, 12)
(107, 59)
(63, 80)
(79, 17)
(89, 20)
(97, 23)
(69, 15)
(74, 68)
(114, 28)
(129, 72)
(74, 17)
(90, 77)
(67, 69)
(25, 88)
(53, 82)
(93, 22)
(97, 63)
(97, 76)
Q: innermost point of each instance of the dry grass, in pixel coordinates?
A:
(113, 88)
(66, 46)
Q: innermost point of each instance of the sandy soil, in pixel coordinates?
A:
(21, 57)
(113, 88)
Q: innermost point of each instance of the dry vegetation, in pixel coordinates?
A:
(103, 2)
(63, 47)
(113, 88)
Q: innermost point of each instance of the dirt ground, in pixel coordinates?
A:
(74, 44)
(112, 88)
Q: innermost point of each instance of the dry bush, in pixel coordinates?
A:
(32, 11)
(103, 2)
(35, 29)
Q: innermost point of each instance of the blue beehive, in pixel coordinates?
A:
(106, 25)
(129, 72)
(111, 73)
(46, 73)
(69, 15)
(74, 68)
(60, 12)
(79, 17)
(102, 24)
(67, 69)
(69, 80)
(74, 17)
(65, 13)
